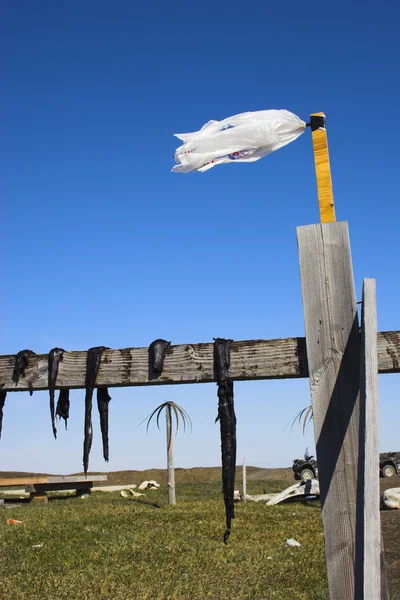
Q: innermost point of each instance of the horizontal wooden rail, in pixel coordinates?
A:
(187, 363)
(49, 479)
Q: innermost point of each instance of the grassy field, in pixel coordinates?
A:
(108, 547)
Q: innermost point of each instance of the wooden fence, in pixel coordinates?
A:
(342, 359)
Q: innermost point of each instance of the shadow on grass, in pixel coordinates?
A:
(61, 498)
(9, 502)
(146, 503)
(137, 501)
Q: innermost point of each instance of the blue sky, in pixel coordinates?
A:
(103, 245)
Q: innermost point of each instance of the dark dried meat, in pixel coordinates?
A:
(62, 409)
(103, 399)
(54, 358)
(3, 395)
(227, 419)
(156, 357)
(21, 363)
(92, 368)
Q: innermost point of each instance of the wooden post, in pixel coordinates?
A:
(333, 351)
(170, 457)
(244, 481)
(322, 168)
(38, 497)
(368, 543)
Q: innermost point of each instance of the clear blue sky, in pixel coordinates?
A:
(103, 245)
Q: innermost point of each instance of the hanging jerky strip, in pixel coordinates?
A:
(227, 419)
(54, 358)
(92, 368)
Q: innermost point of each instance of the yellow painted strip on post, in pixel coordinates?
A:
(323, 173)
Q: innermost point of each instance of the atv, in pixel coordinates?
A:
(305, 468)
(389, 464)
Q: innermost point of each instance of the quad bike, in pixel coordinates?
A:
(389, 464)
(307, 468)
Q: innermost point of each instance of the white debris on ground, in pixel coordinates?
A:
(114, 488)
(129, 493)
(259, 497)
(304, 489)
(238, 497)
(149, 485)
(292, 543)
(391, 498)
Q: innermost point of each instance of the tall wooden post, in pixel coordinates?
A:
(370, 559)
(333, 351)
(170, 456)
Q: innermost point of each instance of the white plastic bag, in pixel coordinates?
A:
(242, 138)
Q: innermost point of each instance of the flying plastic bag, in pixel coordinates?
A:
(242, 138)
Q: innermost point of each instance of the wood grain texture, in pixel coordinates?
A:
(368, 543)
(333, 350)
(188, 363)
(323, 174)
(9, 481)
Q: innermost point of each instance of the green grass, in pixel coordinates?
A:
(108, 547)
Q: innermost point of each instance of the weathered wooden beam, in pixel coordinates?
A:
(369, 551)
(188, 363)
(49, 479)
(333, 350)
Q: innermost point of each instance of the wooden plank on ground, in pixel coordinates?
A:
(333, 350)
(54, 487)
(6, 482)
(11, 481)
(75, 478)
(368, 533)
(187, 363)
